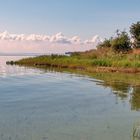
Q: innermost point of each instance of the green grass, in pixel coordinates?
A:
(87, 60)
(116, 61)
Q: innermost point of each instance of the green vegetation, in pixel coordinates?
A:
(121, 43)
(135, 32)
(91, 61)
(112, 55)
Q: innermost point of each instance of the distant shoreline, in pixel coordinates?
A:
(20, 54)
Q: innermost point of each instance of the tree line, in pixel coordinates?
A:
(122, 42)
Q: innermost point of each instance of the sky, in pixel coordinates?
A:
(83, 18)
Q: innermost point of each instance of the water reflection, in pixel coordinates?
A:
(123, 86)
(7, 70)
(64, 106)
(135, 98)
(120, 89)
(125, 91)
(136, 131)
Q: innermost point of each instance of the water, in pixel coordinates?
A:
(43, 105)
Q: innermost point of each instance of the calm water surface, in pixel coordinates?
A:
(38, 105)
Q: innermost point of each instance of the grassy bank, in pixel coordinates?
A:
(101, 60)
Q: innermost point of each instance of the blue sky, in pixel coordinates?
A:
(84, 18)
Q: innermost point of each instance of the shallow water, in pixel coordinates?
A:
(38, 105)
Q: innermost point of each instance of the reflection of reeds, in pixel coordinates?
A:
(120, 94)
(135, 99)
(136, 131)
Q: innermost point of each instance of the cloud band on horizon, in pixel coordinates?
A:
(33, 43)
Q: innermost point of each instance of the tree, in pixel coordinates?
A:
(135, 32)
(105, 44)
(121, 43)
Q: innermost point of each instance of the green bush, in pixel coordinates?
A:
(121, 43)
(105, 44)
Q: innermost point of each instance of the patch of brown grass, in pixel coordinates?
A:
(136, 51)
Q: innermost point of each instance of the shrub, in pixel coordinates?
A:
(105, 44)
(121, 43)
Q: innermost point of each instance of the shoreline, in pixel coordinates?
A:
(81, 68)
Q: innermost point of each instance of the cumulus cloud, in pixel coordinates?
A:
(95, 40)
(33, 43)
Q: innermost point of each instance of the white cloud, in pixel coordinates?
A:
(76, 39)
(95, 40)
(59, 38)
(33, 43)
